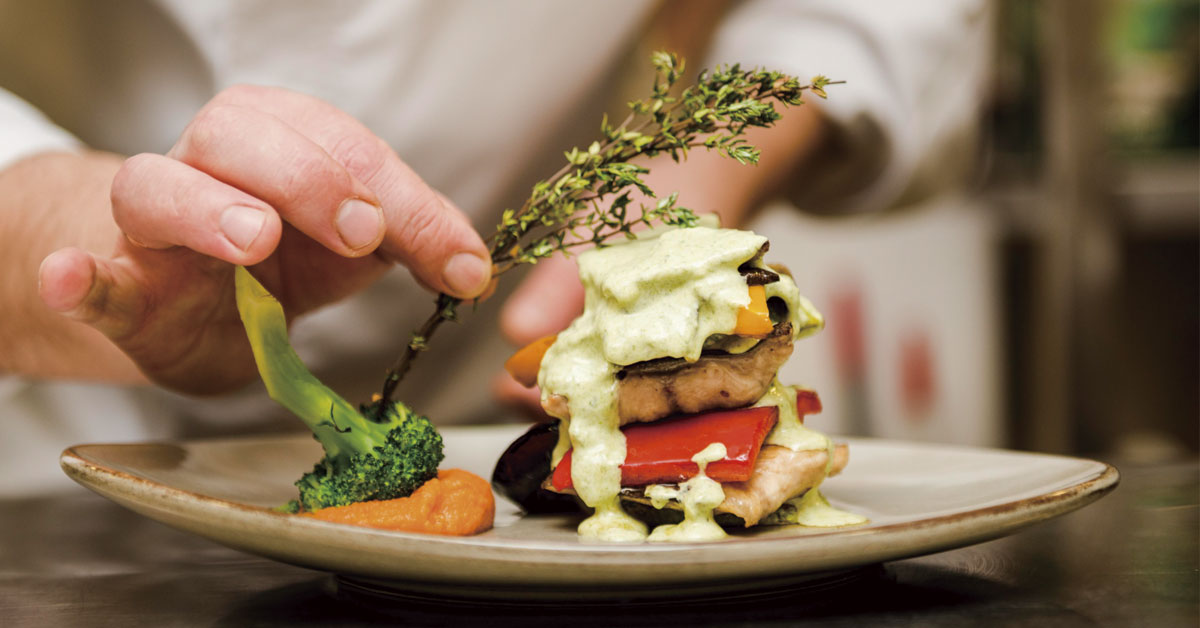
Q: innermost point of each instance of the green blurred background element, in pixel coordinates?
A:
(1093, 160)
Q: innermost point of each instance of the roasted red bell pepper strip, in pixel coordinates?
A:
(662, 451)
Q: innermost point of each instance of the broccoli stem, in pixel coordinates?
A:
(341, 429)
(382, 451)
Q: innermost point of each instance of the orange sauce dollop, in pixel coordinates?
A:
(456, 502)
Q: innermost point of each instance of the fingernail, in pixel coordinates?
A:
(359, 223)
(466, 274)
(241, 225)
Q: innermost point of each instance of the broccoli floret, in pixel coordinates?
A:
(377, 452)
(383, 460)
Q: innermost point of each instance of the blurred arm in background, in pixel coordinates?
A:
(895, 131)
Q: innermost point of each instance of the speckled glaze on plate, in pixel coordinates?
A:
(921, 498)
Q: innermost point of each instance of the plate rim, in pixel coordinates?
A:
(178, 507)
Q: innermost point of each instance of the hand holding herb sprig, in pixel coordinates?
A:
(588, 200)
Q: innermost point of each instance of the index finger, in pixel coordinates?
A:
(431, 237)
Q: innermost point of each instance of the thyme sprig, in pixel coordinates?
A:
(589, 200)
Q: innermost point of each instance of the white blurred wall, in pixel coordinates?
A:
(911, 344)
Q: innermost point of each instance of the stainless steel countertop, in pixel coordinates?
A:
(1130, 559)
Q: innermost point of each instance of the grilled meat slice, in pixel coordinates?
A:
(652, 390)
(655, 389)
(779, 475)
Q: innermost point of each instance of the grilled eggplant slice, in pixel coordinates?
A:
(524, 465)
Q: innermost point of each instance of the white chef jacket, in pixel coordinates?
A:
(478, 96)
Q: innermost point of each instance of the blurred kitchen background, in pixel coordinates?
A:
(1052, 304)
(1048, 302)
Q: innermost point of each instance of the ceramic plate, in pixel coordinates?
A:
(920, 498)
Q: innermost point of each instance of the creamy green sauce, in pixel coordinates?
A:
(699, 496)
(661, 295)
(564, 442)
(812, 509)
(611, 523)
(805, 318)
(664, 296)
(789, 431)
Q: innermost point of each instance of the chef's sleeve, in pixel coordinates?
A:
(914, 74)
(24, 132)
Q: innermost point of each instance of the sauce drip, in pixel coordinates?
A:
(812, 509)
(700, 496)
(790, 431)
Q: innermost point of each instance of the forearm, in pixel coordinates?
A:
(47, 202)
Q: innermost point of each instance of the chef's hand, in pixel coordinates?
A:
(313, 200)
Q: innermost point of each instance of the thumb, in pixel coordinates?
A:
(91, 290)
(545, 303)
